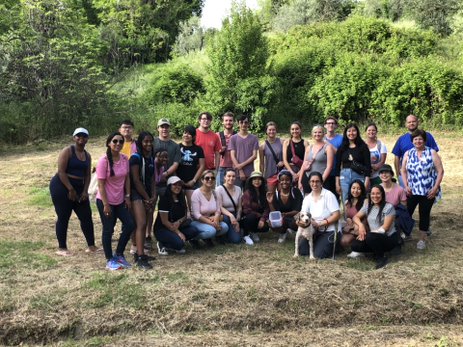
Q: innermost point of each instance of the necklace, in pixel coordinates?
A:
(284, 194)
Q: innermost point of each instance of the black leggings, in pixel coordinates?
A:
(376, 243)
(249, 224)
(425, 206)
(64, 208)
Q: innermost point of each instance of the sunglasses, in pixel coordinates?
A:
(209, 178)
(116, 141)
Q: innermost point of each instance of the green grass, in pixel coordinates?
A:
(24, 254)
(40, 197)
(115, 289)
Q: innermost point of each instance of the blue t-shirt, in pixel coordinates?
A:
(404, 143)
(336, 142)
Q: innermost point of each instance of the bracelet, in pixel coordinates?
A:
(127, 195)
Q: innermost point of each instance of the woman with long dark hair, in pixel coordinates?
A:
(143, 195)
(255, 208)
(293, 150)
(113, 200)
(69, 191)
(381, 235)
(172, 228)
(354, 203)
(352, 161)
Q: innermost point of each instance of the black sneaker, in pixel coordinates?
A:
(209, 243)
(381, 262)
(142, 263)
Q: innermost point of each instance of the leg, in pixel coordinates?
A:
(223, 229)
(128, 226)
(425, 206)
(206, 231)
(108, 223)
(84, 213)
(139, 213)
(63, 209)
(249, 224)
(345, 178)
(346, 240)
(169, 239)
(233, 235)
(323, 245)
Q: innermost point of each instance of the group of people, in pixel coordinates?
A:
(206, 188)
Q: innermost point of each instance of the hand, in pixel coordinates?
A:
(269, 196)
(261, 224)
(316, 224)
(84, 196)
(128, 203)
(408, 190)
(190, 184)
(338, 189)
(182, 236)
(107, 210)
(280, 164)
(432, 193)
(72, 195)
(175, 225)
(362, 232)
(242, 175)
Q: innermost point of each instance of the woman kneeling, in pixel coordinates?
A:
(382, 236)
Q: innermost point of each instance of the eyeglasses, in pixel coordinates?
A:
(116, 141)
(209, 178)
(315, 182)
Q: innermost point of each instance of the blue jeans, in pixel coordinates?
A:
(117, 211)
(171, 240)
(347, 176)
(207, 231)
(232, 235)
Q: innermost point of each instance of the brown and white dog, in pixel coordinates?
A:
(305, 230)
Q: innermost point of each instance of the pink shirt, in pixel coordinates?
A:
(200, 206)
(396, 195)
(210, 143)
(225, 160)
(114, 185)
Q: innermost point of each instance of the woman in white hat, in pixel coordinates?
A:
(69, 191)
(172, 227)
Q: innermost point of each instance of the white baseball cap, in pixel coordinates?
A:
(173, 180)
(80, 131)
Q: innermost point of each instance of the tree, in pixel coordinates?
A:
(434, 14)
(238, 55)
(190, 37)
(299, 12)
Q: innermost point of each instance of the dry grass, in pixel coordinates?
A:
(229, 296)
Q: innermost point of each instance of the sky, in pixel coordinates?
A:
(214, 11)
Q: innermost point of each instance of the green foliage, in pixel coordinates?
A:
(50, 72)
(40, 197)
(426, 87)
(346, 89)
(300, 12)
(434, 14)
(238, 55)
(387, 9)
(190, 38)
(174, 83)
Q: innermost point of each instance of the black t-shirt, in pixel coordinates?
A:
(294, 202)
(189, 162)
(176, 210)
(136, 159)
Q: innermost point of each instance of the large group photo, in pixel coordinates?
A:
(288, 175)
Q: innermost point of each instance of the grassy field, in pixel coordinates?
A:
(227, 296)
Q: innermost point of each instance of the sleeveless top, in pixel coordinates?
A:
(270, 168)
(299, 149)
(422, 174)
(77, 167)
(319, 162)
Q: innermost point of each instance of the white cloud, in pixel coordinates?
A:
(214, 11)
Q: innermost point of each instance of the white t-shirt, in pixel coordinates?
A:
(323, 208)
(375, 155)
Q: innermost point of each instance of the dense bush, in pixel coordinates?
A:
(427, 87)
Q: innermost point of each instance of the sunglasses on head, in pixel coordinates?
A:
(209, 178)
(116, 141)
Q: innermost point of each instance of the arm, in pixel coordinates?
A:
(134, 172)
(285, 157)
(397, 166)
(127, 190)
(170, 226)
(360, 226)
(88, 177)
(440, 174)
(62, 165)
(404, 175)
(330, 153)
(261, 157)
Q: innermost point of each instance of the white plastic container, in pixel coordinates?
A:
(276, 220)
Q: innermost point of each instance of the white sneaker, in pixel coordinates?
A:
(354, 255)
(421, 245)
(248, 240)
(161, 250)
(282, 237)
(255, 237)
(180, 251)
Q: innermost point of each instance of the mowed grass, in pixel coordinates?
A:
(229, 295)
